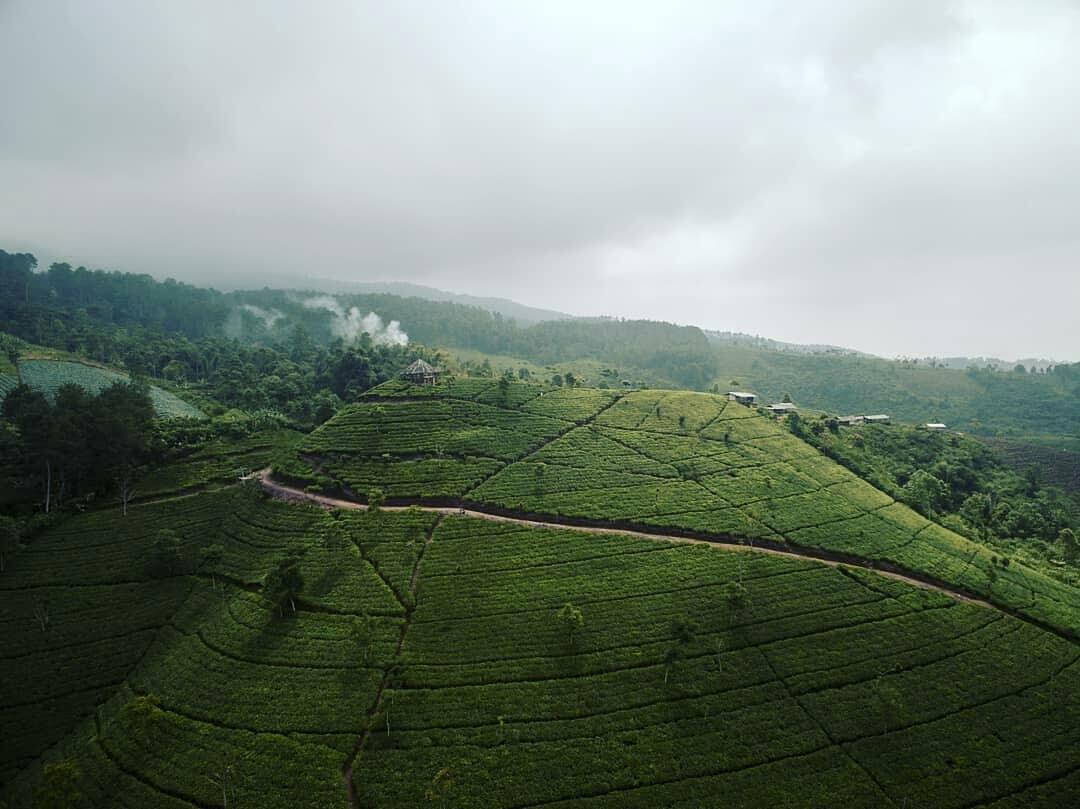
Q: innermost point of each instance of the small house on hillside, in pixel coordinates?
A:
(421, 373)
(879, 418)
(782, 408)
(936, 426)
(850, 421)
(742, 397)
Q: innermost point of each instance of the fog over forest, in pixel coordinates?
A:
(900, 178)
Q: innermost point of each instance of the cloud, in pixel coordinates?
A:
(865, 172)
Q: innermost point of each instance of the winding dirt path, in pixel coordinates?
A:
(290, 493)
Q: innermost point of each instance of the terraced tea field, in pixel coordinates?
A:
(431, 660)
(660, 461)
(48, 376)
(215, 463)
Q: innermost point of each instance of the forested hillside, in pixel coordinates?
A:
(962, 483)
(1035, 406)
(122, 317)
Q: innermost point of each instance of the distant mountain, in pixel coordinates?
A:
(757, 341)
(502, 306)
(524, 315)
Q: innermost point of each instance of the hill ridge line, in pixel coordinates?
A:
(284, 491)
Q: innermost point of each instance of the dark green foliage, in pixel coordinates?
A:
(283, 584)
(166, 556)
(1069, 548)
(983, 401)
(572, 619)
(955, 478)
(81, 444)
(59, 787)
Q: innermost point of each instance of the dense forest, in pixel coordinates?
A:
(958, 481)
(120, 317)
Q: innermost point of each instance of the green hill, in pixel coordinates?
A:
(677, 461)
(428, 661)
(224, 647)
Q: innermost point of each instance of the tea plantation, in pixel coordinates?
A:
(48, 375)
(664, 461)
(417, 657)
(433, 659)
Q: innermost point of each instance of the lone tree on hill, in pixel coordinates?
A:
(924, 492)
(737, 596)
(284, 583)
(209, 558)
(685, 631)
(230, 777)
(166, 556)
(572, 619)
(375, 500)
(1068, 545)
(59, 787)
(336, 539)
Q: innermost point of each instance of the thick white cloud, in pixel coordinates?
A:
(899, 177)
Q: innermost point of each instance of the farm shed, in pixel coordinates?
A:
(879, 418)
(742, 397)
(848, 421)
(421, 373)
(935, 426)
(782, 408)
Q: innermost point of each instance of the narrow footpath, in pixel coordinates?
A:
(290, 493)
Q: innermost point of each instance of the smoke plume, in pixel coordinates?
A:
(350, 325)
(268, 316)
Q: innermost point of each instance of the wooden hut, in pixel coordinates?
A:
(421, 373)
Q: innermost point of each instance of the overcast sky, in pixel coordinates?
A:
(897, 176)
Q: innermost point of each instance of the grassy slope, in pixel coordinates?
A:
(667, 460)
(829, 687)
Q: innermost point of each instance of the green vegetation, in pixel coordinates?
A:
(961, 483)
(48, 376)
(175, 638)
(1039, 407)
(265, 349)
(662, 460)
(81, 445)
(501, 665)
(215, 461)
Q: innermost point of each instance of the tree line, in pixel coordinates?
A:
(80, 445)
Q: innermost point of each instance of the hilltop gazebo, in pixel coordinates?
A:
(421, 373)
